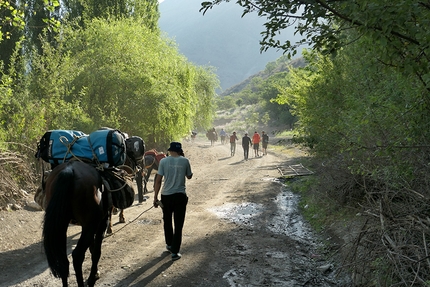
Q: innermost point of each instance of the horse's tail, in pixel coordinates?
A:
(57, 218)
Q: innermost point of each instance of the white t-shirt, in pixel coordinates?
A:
(174, 170)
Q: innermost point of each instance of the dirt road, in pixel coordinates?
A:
(242, 228)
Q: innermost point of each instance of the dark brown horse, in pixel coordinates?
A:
(212, 135)
(152, 160)
(74, 192)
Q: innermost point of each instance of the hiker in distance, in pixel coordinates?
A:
(246, 144)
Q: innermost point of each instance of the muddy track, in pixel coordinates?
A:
(242, 228)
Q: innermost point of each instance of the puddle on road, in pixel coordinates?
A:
(286, 218)
(242, 213)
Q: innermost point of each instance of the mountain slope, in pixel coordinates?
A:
(220, 38)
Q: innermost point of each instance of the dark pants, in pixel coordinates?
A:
(245, 151)
(174, 205)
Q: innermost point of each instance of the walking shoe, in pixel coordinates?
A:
(169, 248)
(176, 256)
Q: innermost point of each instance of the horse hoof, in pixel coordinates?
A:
(122, 220)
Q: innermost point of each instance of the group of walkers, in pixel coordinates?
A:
(248, 142)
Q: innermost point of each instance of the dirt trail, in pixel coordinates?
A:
(242, 228)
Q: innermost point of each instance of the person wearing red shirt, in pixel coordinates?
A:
(256, 142)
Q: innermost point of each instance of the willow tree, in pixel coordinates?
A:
(132, 79)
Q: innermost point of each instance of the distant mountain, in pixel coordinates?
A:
(220, 38)
(282, 64)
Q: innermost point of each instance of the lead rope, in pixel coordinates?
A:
(109, 235)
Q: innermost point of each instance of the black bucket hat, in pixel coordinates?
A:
(176, 147)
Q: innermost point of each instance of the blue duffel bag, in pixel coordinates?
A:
(101, 146)
(54, 144)
(108, 146)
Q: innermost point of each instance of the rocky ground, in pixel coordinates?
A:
(242, 228)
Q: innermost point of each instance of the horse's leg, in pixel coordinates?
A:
(155, 179)
(121, 216)
(140, 191)
(96, 251)
(109, 221)
(145, 180)
(78, 254)
(147, 175)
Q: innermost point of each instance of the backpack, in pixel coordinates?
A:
(135, 147)
(108, 146)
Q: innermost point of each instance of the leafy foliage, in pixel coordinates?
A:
(369, 125)
(11, 18)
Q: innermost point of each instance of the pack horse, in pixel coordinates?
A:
(73, 191)
(212, 135)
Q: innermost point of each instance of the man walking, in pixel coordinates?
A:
(233, 139)
(174, 168)
(256, 143)
(246, 143)
(265, 141)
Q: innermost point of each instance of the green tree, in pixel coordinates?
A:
(126, 76)
(143, 11)
(205, 84)
(11, 30)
